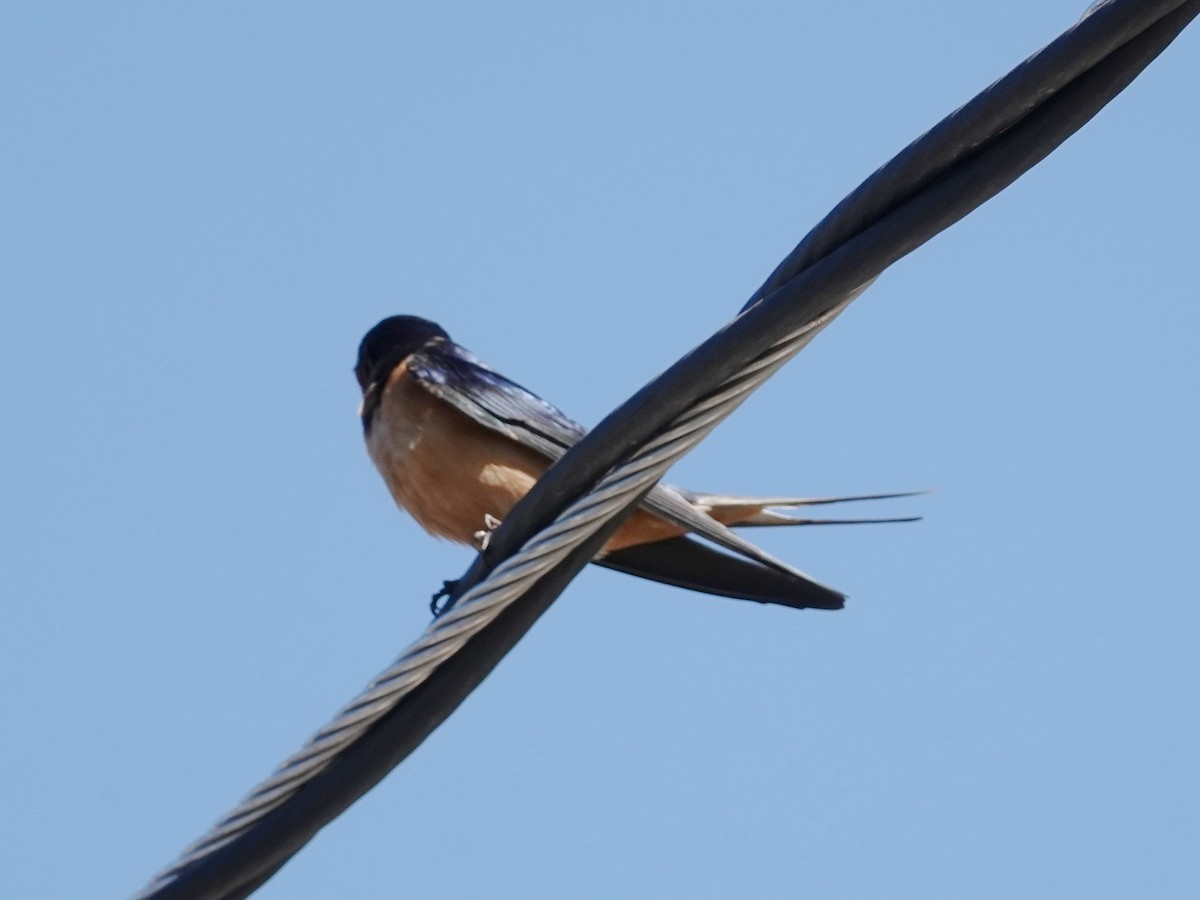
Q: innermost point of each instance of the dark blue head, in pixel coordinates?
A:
(388, 343)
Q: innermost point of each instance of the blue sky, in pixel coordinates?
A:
(205, 208)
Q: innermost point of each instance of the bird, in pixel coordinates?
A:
(458, 444)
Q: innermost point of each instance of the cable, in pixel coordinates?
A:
(526, 566)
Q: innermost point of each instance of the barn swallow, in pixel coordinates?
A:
(458, 444)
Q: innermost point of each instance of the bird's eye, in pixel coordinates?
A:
(362, 372)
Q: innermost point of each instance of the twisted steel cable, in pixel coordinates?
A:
(480, 605)
(967, 158)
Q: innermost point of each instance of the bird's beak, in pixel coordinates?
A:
(366, 393)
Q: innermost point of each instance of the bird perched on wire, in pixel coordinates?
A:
(458, 444)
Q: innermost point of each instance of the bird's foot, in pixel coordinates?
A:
(484, 536)
(447, 591)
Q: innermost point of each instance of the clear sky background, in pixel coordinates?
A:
(205, 206)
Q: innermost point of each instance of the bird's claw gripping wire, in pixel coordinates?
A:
(447, 591)
(483, 537)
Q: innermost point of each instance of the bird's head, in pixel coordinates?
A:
(387, 344)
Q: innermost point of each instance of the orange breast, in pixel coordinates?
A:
(446, 470)
(450, 472)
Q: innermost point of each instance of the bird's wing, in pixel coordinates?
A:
(667, 502)
(456, 376)
(700, 567)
